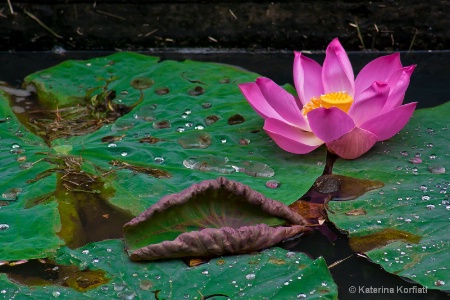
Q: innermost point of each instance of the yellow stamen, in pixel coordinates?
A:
(341, 100)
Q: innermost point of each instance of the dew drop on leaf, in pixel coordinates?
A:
(197, 91)
(25, 165)
(162, 91)
(250, 276)
(273, 184)
(257, 169)
(162, 124)
(209, 120)
(236, 119)
(206, 105)
(195, 140)
(159, 159)
(4, 226)
(436, 169)
(141, 83)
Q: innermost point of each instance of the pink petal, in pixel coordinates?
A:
(290, 138)
(282, 102)
(370, 104)
(307, 78)
(378, 69)
(399, 82)
(337, 72)
(353, 144)
(329, 124)
(388, 124)
(257, 101)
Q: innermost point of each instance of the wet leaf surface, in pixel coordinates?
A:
(274, 273)
(406, 222)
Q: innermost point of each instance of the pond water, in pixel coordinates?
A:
(429, 87)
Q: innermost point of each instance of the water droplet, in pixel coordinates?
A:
(162, 91)
(398, 168)
(236, 119)
(122, 125)
(199, 127)
(423, 188)
(301, 296)
(146, 113)
(408, 220)
(273, 184)
(209, 120)
(430, 206)
(15, 146)
(141, 83)
(426, 197)
(159, 160)
(290, 254)
(436, 169)
(4, 226)
(145, 285)
(56, 294)
(415, 160)
(447, 207)
(439, 283)
(224, 80)
(180, 129)
(184, 116)
(126, 295)
(162, 124)
(197, 91)
(250, 276)
(119, 287)
(244, 141)
(209, 163)
(195, 140)
(327, 184)
(432, 156)
(25, 165)
(189, 124)
(257, 169)
(404, 153)
(223, 140)
(429, 145)
(205, 272)
(19, 134)
(85, 251)
(123, 153)
(206, 105)
(112, 145)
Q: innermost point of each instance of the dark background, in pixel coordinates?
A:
(270, 25)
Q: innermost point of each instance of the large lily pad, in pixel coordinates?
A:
(404, 227)
(214, 217)
(273, 274)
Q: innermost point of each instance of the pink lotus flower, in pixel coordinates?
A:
(348, 115)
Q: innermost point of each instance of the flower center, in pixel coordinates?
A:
(341, 100)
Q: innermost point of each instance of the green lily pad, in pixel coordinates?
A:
(274, 273)
(405, 225)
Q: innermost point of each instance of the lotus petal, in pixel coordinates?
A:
(307, 78)
(213, 217)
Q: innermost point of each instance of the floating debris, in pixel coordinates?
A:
(122, 125)
(244, 141)
(195, 140)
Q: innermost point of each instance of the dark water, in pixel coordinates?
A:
(429, 87)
